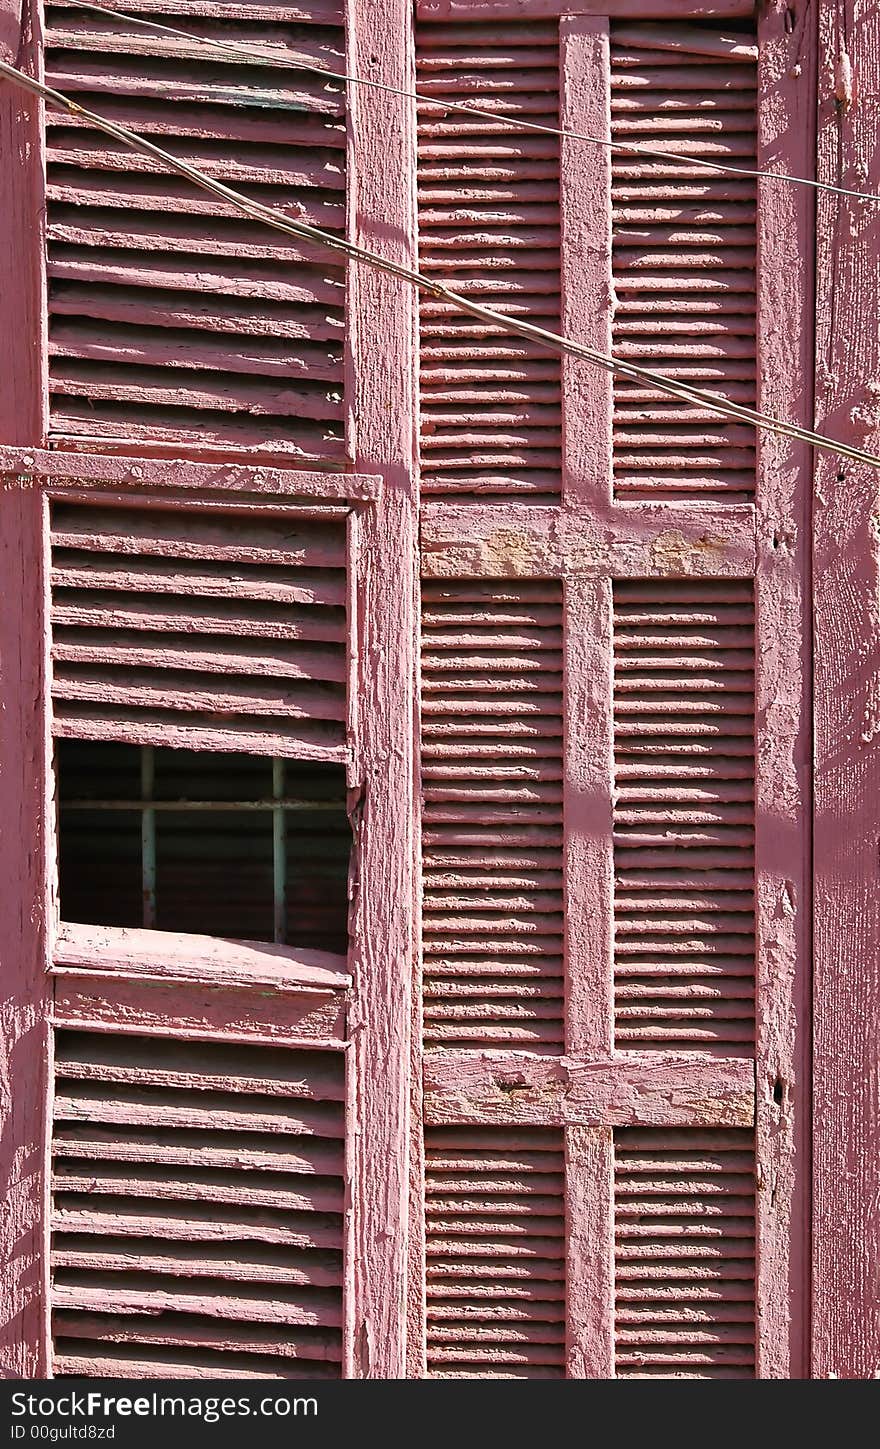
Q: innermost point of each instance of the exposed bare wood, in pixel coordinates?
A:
(168, 956)
(512, 1089)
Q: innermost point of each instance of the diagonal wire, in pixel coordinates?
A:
(683, 391)
(295, 62)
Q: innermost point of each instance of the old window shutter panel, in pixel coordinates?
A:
(682, 766)
(201, 584)
(203, 629)
(173, 320)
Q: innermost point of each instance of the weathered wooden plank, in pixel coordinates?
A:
(303, 740)
(476, 10)
(139, 1330)
(509, 1089)
(245, 1302)
(786, 140)
(25, 464)
(587, 298)
(589, 855)
(589, 1213)
(381, 393)
(846, 620)
(23, 745)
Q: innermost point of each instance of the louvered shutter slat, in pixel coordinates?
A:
(255, 360)
(131, 646)
(489, 221)
(211, 1246)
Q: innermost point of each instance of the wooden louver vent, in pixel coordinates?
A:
(197, 1217)
(492, 816)
(683, 255)
(489, 225)
(684, 1254)
(495, 1253)
(684, 814)
(192, 628)
(172, 318)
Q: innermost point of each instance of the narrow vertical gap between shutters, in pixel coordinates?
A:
(172, 320)
(684, 731)
(684, 1217)
(488, 218)
(492, 814)
(684, 255)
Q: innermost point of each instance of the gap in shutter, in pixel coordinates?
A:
(182, 840)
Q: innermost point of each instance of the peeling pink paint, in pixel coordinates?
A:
(551, 1117)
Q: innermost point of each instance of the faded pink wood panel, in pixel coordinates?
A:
(846, 560)
(382, 322)
(782, 661)
(23, 742)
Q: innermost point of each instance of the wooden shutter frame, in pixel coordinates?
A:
(588, 540)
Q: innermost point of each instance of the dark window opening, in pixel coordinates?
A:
(233, 845)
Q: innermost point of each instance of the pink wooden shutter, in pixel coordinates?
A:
(203, 628)
(198, 1191)
(673, 816)
(683, 254)
(492, 907)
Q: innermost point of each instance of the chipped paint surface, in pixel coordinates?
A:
(575, 1014)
